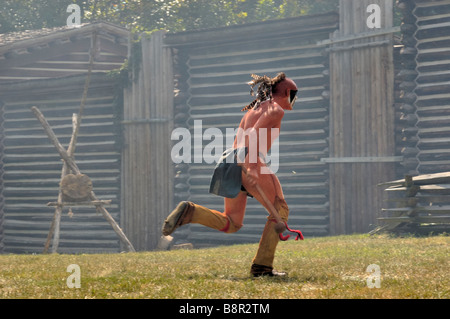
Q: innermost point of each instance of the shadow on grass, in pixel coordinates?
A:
(245, 278)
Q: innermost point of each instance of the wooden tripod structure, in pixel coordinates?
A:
(70, 166)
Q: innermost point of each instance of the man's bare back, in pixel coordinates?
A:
(267, 116)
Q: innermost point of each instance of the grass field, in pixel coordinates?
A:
(328, 267)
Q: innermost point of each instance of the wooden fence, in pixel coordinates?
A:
(362, 140)
(147, 169)
(421, 204)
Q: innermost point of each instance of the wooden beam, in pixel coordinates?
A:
(363, 35)
(360, 46)
(91, 203)
(304, 24)
(426, 179)
(368, 159)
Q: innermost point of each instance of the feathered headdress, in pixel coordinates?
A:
(265, 88)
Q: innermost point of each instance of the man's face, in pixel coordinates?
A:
(292, 97)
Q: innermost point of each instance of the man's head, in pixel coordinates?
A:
(280, 88)
(285, 93)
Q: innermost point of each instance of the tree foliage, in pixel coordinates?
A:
(148, 15)
(18, 15)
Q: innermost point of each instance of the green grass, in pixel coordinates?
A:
(328, 267)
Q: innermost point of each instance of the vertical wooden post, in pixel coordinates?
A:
(55, 226)
(361, 114)
(147, 171)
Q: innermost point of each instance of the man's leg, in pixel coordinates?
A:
(229, 221)
(263, 260)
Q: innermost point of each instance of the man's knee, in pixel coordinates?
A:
(231, 227)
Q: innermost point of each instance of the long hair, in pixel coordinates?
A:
(265, 88)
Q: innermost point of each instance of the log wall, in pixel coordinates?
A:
(433, 85)
(2, 199)
(420, 202)
(424, 97)
(405, 97)
(32, 166)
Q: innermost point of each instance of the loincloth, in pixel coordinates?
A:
(227, 177)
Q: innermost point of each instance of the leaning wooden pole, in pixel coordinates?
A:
(73, 166)
(76, 122)
(55, 226)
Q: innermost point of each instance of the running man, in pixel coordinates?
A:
(243, 167)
